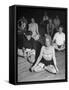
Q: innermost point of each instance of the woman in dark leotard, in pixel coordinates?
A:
(46, 59)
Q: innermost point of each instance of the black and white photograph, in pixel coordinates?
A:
(41, 44)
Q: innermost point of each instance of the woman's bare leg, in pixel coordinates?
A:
(39, 68)
(51, 69)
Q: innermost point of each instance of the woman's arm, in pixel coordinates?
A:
(52, 29)
(29, 27)
(54, 59)
(40, 56)
(54, 38)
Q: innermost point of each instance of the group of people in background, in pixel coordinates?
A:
(39, 42)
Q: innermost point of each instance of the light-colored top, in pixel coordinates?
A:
(59, 38)
(47, 53)
(33, 27)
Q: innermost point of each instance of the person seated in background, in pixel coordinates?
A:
(56, 22)
(22, 24)
(46, 59)
(59, 40)
(45, 17)
(28, 47)
(50, 28)
(33, 27)
(21, 28)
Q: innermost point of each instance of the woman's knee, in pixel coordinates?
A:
(38, 69)
(51, 69)
(54, 71)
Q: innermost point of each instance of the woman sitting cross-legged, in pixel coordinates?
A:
(46, 59)
(59, 40)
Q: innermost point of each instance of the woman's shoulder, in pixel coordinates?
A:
(52, 47)
(43, 47)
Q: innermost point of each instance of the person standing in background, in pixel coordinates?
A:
(50, 28)
(43, 24)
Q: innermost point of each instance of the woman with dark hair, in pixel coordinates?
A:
(28, 47)
(22, 28)
(46, 59)
(22, 24)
